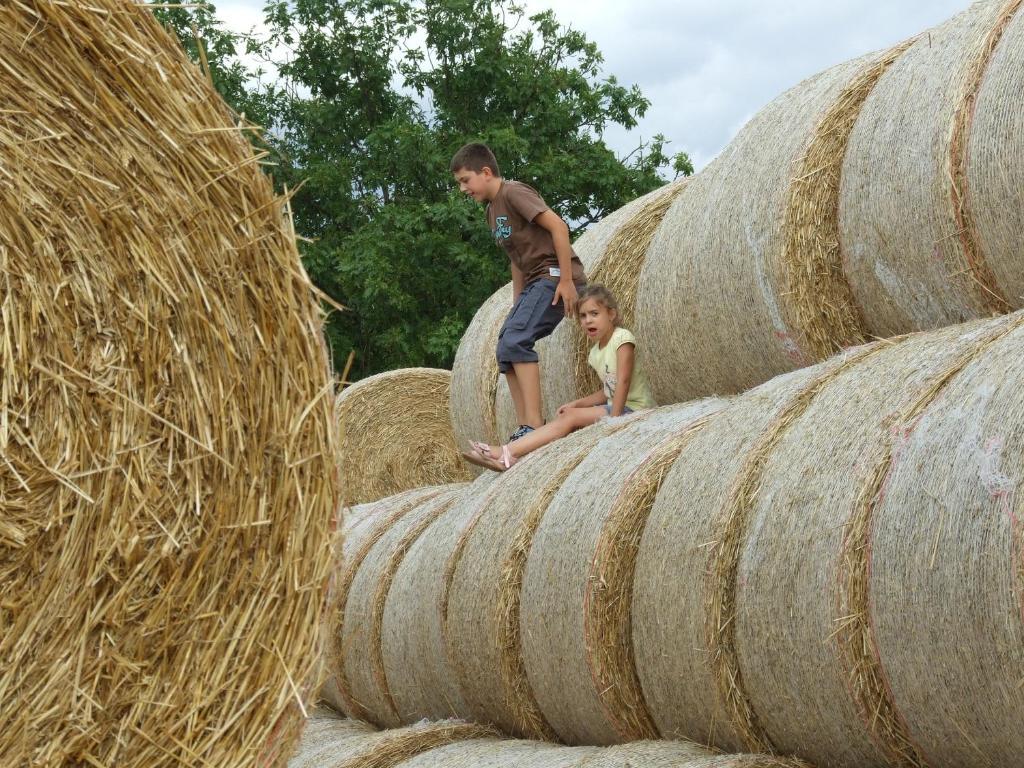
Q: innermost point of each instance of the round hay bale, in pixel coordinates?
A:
(482, 623)
(913, 149)
(475, 372)
(574, 616)
(167, 445)
(728, 297)
(624, 241)
(362, 527)
(421, 681)
(356, 662)
(332, 742)
(395, 433)
(501, 754)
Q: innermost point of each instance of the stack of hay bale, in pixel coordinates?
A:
(826, 566)
(167, 474)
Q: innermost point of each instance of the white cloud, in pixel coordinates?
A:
(708, 67)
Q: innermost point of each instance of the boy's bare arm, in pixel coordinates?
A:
(566, 290)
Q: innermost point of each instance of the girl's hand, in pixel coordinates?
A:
(565, 407)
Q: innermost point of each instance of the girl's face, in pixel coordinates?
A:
(597, 320)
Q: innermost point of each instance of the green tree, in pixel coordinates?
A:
(372, 99)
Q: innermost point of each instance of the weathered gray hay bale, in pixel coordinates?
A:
(475, 372)
(167, 488)
(333, 742)
(952, 654)
(421, 681)
(395, 433)
(330, 742)
(914, 150)
(769, 639)
(617, 265)
(356, 662)
(482, 626)
(716, 302)
(575, 620)
(362, 527)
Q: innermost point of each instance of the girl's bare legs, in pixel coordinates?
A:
(569, 421)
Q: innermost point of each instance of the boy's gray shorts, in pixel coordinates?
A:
(532, 318)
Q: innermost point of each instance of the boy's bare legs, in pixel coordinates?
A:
(524, 384)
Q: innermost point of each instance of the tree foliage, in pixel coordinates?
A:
(372, 98)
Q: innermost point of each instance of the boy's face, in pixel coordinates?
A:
(475, 184)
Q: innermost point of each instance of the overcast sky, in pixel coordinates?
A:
(707, 67)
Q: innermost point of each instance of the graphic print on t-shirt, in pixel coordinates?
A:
(502, 229)
(610, 382)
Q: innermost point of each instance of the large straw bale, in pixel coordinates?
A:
(909, 153)
(483, 627)
(330, 741)
(419, 676)
(167, 480)
(575, 619)
(395, 434)
(356, 662)
(715, 292)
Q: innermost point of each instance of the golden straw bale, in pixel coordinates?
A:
(576, 642)
(166, 436)
(395, 434)
(333, 742)
(712, 312)
(356, 661)
(934, 142)
(416, 665)
(482, 621)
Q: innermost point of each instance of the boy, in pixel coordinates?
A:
(546, 273)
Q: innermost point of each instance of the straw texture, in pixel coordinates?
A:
(395, 434)
(475, 372)
(331, 742)
(909, 152)
(576, 647)
(167, 480)
(363, 526)
(712, 291)
(358, 664)
(420, 678)
(483, 626)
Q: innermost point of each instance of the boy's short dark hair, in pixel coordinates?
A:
(475, 157)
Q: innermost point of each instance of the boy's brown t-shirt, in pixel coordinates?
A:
(529, 246)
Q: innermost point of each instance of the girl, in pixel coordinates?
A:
(624, 386)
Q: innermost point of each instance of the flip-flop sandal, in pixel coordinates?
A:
(484, 461)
